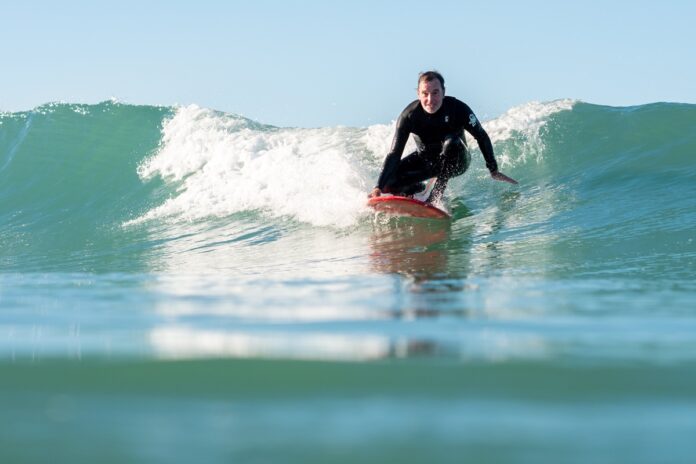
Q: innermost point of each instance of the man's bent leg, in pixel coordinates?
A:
(412, 170)
(454, 161)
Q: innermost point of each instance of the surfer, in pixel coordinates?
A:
(437, 123)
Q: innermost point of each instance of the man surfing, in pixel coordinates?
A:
(437, 123)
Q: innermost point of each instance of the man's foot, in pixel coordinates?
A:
(432, 198)
(436, 194)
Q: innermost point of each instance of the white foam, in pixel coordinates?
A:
(527, 120)
(227, 164)
(224, 164)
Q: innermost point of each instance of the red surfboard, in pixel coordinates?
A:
(405, 206)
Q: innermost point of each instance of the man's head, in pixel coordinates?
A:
(431, 91)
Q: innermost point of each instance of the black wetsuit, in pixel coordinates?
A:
(441, 147)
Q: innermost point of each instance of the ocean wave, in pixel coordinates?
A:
(94, 181)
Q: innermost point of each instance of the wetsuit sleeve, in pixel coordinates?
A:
(391, 162)
(474, 127)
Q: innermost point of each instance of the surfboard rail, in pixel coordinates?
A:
(406, 206)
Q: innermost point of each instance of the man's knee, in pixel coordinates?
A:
(455, 156)
(453, 145)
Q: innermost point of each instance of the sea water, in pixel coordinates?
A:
(179, 284)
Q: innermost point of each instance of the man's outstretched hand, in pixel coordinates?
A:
(374, 193)
(503, 178)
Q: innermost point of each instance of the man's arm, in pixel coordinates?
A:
(393, 158)
(475, 128)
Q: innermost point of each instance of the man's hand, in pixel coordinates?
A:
(503, 178)
(374, 193)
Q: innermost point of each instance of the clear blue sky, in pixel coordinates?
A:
(320, 63)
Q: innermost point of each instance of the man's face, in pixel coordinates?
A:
(430, 95)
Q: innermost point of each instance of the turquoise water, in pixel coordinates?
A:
(179, 284)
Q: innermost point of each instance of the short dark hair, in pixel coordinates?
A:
(428, 76)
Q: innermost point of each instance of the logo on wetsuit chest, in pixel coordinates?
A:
(447, 118)
(472, 120)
